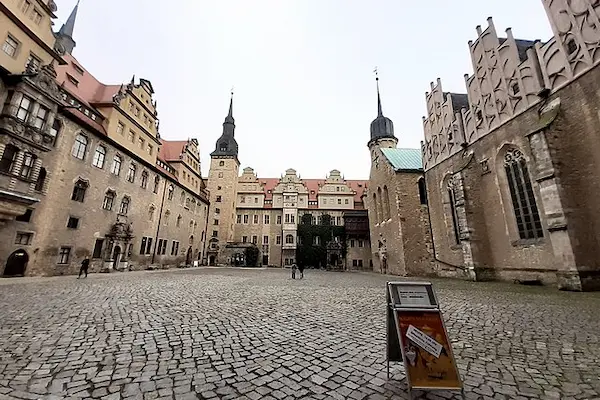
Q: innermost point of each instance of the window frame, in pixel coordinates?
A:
(99, 157)
(80, 146)
(15, 47)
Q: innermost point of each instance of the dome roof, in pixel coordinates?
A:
(381, 127)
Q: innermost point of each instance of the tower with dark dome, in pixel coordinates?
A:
(382, 128)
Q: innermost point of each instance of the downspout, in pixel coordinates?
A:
(205, 230)
(162, 203)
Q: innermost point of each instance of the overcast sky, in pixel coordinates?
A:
(302, 69)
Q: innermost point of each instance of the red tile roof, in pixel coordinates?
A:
(88, 89)
(170, 150)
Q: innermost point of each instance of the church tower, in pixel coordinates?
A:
(382, 133)
(64, 38)
(222, 185)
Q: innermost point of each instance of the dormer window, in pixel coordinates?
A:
(77, 68)
(73, 81)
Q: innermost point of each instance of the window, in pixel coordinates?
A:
(455, 226)
(79, 147)
(187, 203)
(79, 191)
(246, 218)
(151, 213)
(120, 128)
(156, 183)
(116, 167)
(161, 249)
(355, 263)
(64, 255)
(73, 223)
(422, 191)
(33, 63)
(137, 111)
(243, 199)
(124, 208)
(265, 239)
(25, 217)
(279, 220)
(27, 167)
(36, 17)
(131, 173)
(144, 183)
(239, 219)
(98, 248)
(131, 136)
(23, 238)
(73, 81)
(166, 218)
(25, 6)
(24, 108)
(216, 222)
(218, 187)
(267, 219)
(8, 158)
(10, 46)
(317, 240)
(289, 239)
(109, 199)
(174, 248)
(141, 143)
(287, 218)
(220, 174)
(56, 125)
(150, 149)
(171, 191)
(244, 239)
(278, 239)
(221, 163)
(521, 193)
(218, 199)
(217, 211)
(571, 46)
(255, 219)
(360, 243)
(41, 180)
(352, 243)
(256, 200)
(146, 246)
(99, 157)
(339, 201)
(215, 233)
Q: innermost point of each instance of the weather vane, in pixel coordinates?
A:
(232, 90)
(376, 73)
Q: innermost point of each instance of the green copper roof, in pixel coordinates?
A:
(404, 159)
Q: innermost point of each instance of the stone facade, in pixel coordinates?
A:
(510, 166)
(84, 173)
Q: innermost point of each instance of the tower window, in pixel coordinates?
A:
(422, 191)
(571, 46)
(455, 226)
(221, 163)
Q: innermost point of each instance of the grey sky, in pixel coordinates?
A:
(302, 69)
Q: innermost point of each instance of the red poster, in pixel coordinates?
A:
(427, 352)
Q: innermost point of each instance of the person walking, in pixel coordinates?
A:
(301, 270)
(85, 264)
(293, 271)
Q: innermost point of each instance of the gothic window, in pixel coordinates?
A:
(116, 167)
(41, 180)
(144, 183)
(79, 191)
(171, 191)
(289, 239)
(151, 213)
(79, 147)
(386, 203)
(380, 215)
(455, 226)
(131, 173)
(182, 198)
(156, 183)
(187, 203)
(124, 208)
(99, 157)
(178, 223)
(521, 193)
(167, 215)
(8, 158)
(27, 167)
(109, 199)
(422, 191)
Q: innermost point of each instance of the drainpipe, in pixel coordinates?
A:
(205, 230)
(162, 203)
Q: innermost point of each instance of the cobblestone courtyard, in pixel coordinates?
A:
(257, 334)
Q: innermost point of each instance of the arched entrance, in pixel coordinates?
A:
(116, 256)
(188, 256)
(16, 263)
(211, 260)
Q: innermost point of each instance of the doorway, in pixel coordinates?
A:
(116, 257)
(16, 263)
(211, 260)
(188, 256)
(265, 260)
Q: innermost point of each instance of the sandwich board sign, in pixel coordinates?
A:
(417, 336)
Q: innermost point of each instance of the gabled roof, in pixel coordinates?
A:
(313, 185)
(170, 150)
(404, 159)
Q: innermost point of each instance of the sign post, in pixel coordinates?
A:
(417, 336)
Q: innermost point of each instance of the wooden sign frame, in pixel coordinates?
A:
(417, 302)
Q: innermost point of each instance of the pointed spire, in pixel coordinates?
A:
(69, 26)
(379, 110)
(230, 115)
(381, 127)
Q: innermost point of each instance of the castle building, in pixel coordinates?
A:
(397, 204)
(512, 166)
(83, 170)
(270, 214)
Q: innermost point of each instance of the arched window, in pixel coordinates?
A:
(109, 200)
(116, 167)
(41, 180)
(386, 203)
(99, 156)
(375, 210)
(221, 163)
(79, 191)
(178, 223)
(223, 146)
(151, 213)
(124, 208)
(422, 191)
(144, 183)
(452, 200)
(171, 191)
(131, 173)
(182, 198)
(380, 215)
(521, 193)
(8, 158)
(79, 147)
(187, 203)
(156, 183)
(289, 239)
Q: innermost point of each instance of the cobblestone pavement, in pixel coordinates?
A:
(256, 334)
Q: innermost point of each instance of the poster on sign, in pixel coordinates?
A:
(428, 355)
